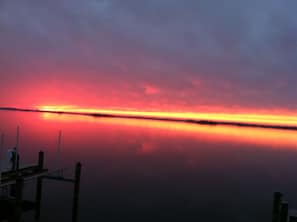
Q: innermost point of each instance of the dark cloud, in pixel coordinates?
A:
(242, 53)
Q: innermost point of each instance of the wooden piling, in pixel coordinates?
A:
(17, 161)
(76, 192)
(39, 186)
(284, 212)
(14, 161)
(18, 199)
(40, 160)
(17, 157)
(276, 206)
(19, 190)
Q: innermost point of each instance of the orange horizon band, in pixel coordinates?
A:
(286, 120)
(273, 138)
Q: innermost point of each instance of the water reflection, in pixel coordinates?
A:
(140, 170)
(272, 137)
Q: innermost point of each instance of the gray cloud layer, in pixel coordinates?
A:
(195, 52)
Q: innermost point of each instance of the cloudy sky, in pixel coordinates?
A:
(180, 55)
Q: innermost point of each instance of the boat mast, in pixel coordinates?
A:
(17, 139)
(59, 148)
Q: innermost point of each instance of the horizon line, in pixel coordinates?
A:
(155, 118)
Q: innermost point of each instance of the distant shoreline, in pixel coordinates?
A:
(201, 122)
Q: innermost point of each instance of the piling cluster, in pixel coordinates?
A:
(13, 205)
(281, 212)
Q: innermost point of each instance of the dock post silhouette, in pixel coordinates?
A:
(19, 199)
(276, 206)
(281, 211)
(284, 212)
(39, 186)
(76, 192)
(13, 206)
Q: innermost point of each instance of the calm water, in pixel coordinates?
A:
(157, 171)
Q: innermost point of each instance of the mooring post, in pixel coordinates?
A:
(17, 167)
(40, 160)
(19, 190)
(17, 157)
(276, 206)
(18, 199)
(14, 161)
(284, 212)
(39, 186)
(76, 192)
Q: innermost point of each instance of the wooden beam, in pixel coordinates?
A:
(59, 178)
(26, 177)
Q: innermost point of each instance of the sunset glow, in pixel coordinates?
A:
(154, 110)
(245, 135)
(283, 120)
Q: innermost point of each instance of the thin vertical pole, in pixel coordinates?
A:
(17, 149)
(76, 192)
(17, 139)
(15, 163)
(59, 148)
(276, 206)
(19, 190)
(19, 199)
(1, 150)
(284, 212)
(40, 160)
(39, 186)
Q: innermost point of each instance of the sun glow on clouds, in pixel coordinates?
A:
(151, 90)
(283, 120)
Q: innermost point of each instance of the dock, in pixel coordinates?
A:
(12, 205)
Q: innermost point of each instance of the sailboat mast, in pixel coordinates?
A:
(59, 148)
(17, 139)
(16, 163)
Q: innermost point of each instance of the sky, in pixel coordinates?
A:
(161, 55)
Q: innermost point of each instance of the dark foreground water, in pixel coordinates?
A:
(136, 170)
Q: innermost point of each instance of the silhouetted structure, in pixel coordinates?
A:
(280, 212)
(12, 206)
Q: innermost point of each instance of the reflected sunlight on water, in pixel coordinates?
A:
(283, 119)
(272, 137)
(167, 171)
